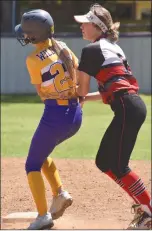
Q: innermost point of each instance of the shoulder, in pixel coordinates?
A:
(92, 46)
(91, 50)
(30, 60)
(32, 57)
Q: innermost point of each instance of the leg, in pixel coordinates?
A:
(52, 129)
(133, 114)
(68, 130)
(63, 200)
(105, 152)
(52, 175)
(42, 145)
(117, 145)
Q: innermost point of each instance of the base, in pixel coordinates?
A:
(20, 217)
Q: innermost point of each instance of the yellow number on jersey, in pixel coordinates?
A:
(61, 81)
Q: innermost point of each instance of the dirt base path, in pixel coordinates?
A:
(98, 202)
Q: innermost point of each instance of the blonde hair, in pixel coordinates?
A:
(104, 15)
(65, 55)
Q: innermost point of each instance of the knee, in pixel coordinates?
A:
(32, 165)
(101, 164)
(120, 172)
(47, 163)
(97, 163)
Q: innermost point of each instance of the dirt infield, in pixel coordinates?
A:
(98, 202)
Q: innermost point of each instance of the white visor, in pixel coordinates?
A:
(91, 17)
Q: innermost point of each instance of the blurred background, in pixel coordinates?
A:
(21, 107)
(135, 37)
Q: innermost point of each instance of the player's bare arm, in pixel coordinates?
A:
(93, 96)
(84, 83)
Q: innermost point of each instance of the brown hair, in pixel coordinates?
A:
(104, 15)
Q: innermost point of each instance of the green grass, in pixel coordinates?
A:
(20, 117)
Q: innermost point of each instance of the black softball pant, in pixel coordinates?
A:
(120, 137)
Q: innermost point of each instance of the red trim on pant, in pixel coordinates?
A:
(122, 133)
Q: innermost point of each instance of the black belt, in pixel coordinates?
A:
(118, 94)
(104, 87)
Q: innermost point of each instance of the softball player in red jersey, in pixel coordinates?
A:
(61, 118)
(106, 62)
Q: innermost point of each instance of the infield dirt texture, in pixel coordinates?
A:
(98, 202)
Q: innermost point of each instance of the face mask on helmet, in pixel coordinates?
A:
(21, 37)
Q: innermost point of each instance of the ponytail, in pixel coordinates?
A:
(65, 55)
(113, 33)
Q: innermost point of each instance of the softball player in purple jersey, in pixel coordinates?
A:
(62, 114)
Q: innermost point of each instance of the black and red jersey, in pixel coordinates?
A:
(107, 63)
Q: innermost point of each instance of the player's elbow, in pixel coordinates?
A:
(82, 91)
